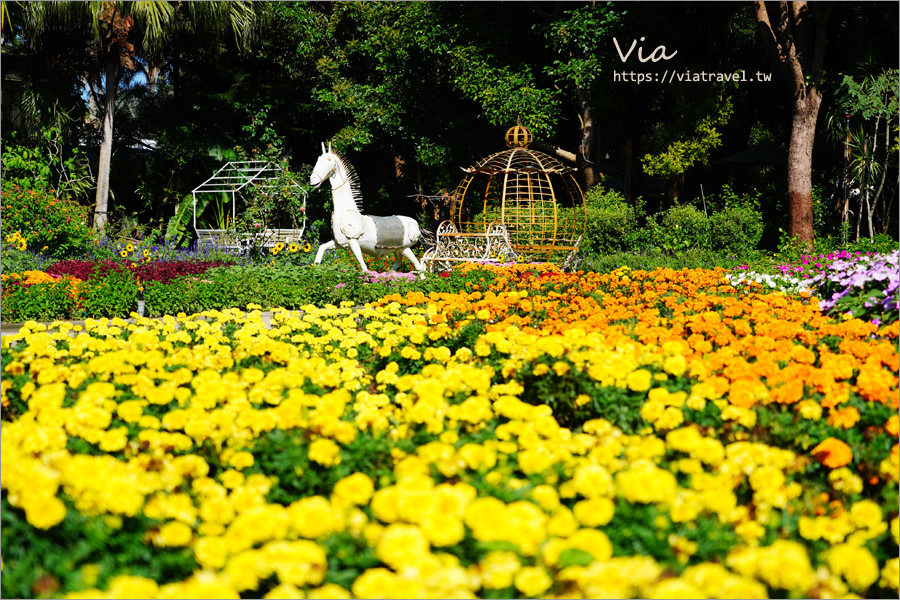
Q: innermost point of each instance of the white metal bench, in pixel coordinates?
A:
(270, 238)
(451, 246)
(225, 239)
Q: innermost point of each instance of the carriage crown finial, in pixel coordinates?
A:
(518, 136)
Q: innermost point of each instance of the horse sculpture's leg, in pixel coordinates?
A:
(322, 250)
(408, 253)
(396, 261)
(357, 252)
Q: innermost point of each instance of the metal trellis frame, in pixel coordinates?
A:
(233, 178)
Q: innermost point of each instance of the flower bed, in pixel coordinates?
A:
(632, 434)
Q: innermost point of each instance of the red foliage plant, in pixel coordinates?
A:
(156, 271)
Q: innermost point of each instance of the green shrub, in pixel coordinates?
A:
(736, 230)
(38, 302)
(679, 228)
(53, 227)
(736, 225)
(612, 223)
(114, 295)
(49, 165)
(692, 258)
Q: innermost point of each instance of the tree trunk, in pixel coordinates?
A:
(877, 195)
(803, 131)
(152, 73)
(797, 42)
(588, 137)
(103, 168)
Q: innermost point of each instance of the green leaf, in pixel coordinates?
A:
(575, 557)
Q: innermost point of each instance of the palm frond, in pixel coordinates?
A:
(156, 18)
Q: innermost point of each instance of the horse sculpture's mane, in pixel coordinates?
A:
(352, 180)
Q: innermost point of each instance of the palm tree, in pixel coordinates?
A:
(121, 33)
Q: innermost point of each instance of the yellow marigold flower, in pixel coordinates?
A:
(174, 533)
(211, 552)
(329, 591)
(315, 517)
(232, 479)
(716, 581)
(810, 409)
(892, 426)
(890, 574)
(652, 410)
(744, 416)
(498, 569)
(593, 481)
(854, 563)
(866, 513)
(546, 496)
(402, 546)
(477, 456)
(381, 583)
(592, 541)
(325, 452)
(43, 511)
(295, 562)
(750, 531)
(241, 460)
(675, 587)
(639, 381)
(646, 483)
(130, 411)
(89, 574)
(845, 480)
(594, 512)
(131, 586)
(532, 581)
(670, 418)
(562, 523)
(561, 368)
(285, 590)
(355, 489)
(785, 565)
(675, 365)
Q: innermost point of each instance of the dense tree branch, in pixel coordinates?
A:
(555, 151)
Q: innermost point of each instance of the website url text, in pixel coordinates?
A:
(675, 76)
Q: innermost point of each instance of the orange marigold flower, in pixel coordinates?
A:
(789, 392)
(875, 385)
(833, 453)
(843, 417)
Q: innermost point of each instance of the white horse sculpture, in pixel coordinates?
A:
(354, 231)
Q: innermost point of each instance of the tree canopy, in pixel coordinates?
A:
(412, 91)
